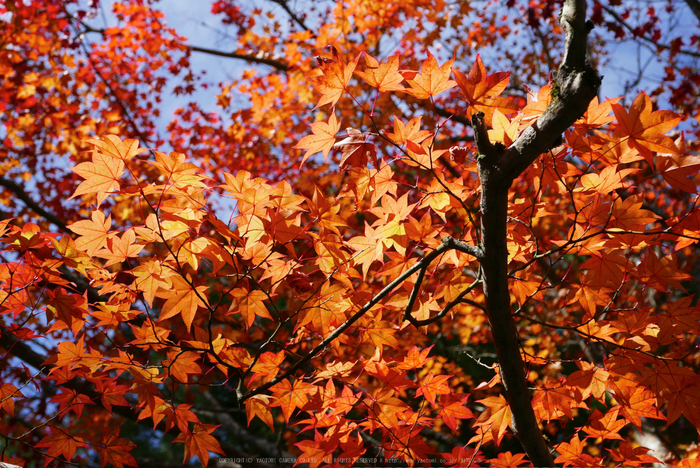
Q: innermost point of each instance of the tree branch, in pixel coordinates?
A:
(22, 195)
(576, 83)
(292, 15)
(448, 243)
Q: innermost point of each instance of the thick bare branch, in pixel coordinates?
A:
(576, 83)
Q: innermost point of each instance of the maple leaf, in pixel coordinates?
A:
(323, 138)
(115, 450)
(69, 399)
(553, 402)
(367, 248)
(571, 453)
(605, 426)
(387, 408)
(637, 456)
(259, 405)
(119, 251)
(291, 397)
(115, 147)
(415, 358)
(150, 277)
(199, 442)
(495, 418)
(179, 173)
(382, 333)
(69, 353)
(608, 268)
(638, 402)
(629, 214)
(101, 176)
(8, 393)
(385, 77)
(181, 364)
(249, 304)
(408, 132)
(356, 152)
(646, 129)
(336, 76)
(591, 380)
(597, 114)
(182, 299)
(504, 131)
(508, 460)
(432, 79)
(315, 452)
(111, 393)
(433, 385)
(93, 234)
(608, 180)
(60, 443)
(452, 407)
(266, 368)
(482, 91)
(679, 170)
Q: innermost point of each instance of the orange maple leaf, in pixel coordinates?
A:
(117, 251)
(259, 405)
(199, 442)
(508, 460)
(590, 380)
(336, 76)
(495, 418)
(101, 176)
(111, 393)
(482, 91)
(408, 132)
(249, 304)
(323, 138)
(415, 359)
(93, 234)
(69, 399)
(646, 129)
(151, 276)
(266, 368)
(605, 426)
(571, 453)
(384, 77)
(115, 147)
(432, 79)
(317, 451)
(180, 174)
(182, 299)
(181, 364)
(452, 408)
(291, 397)
(433, 385)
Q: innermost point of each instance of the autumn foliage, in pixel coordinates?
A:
(309, 272)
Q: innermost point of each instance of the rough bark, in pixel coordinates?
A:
(576, 84)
